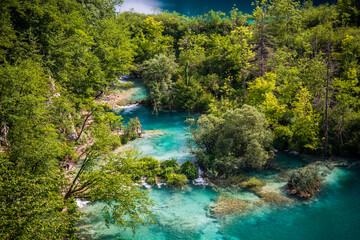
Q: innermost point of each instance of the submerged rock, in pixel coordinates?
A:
(227, 205)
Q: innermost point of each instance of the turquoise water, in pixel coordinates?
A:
(184, 214)
(179, 215)
(140, 92)
(169, 138)
(334, 214)
(192, 7)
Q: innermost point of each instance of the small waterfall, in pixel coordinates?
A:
(144, 183)
(200, 180)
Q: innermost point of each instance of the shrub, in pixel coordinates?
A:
(167, 171)
(151, 180)
(169, 164)
(125, 139)
(188, 168)
(176, 180)
(150, 163)
(304, 182)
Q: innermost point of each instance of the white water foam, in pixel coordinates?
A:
(128, 108)
(200, 180)
(144, 183)
(81, 203)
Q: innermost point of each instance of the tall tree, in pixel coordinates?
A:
(158, 73)
(263, 42)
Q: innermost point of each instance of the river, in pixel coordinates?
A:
(184, 214)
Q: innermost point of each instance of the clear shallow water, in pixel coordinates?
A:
(179, 215)
(333, 214)
(139, 92)
(169, 138)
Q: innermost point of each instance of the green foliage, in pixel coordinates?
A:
(237, 140)
(150, 41)
(282, 137)
(306, 126)
(169, 164)
(188, 168)
(31, 206)
(253, 184)
(158, 73)
(176, 180)
(304, 182)
(57, 58)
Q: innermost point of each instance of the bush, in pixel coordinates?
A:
(125, 139)
(304, 182)
(188, 168)
(167, 171)
(150, 163)
(151, 180)
(176, 180)
(169, 164)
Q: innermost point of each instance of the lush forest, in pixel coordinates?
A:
(285, 77)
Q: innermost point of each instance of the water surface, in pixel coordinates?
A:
(192, 7)
(184, 214)
(165, 133)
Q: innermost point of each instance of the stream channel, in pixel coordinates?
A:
(184, 214)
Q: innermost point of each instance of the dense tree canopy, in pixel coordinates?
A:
(286, 76)
(239, 139)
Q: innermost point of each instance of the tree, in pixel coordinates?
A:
(237, 140)
(284, 18)
(50, 77)
(305, 126)
(349, 11)
(262, 43)
(149, 40)
(158, 74)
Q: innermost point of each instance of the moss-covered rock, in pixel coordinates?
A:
(253, 184)
(227, 205)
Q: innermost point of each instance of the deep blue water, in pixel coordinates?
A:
(193, 7)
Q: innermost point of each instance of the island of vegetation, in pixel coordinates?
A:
(285, 77)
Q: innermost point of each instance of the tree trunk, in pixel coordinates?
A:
(326, 137)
